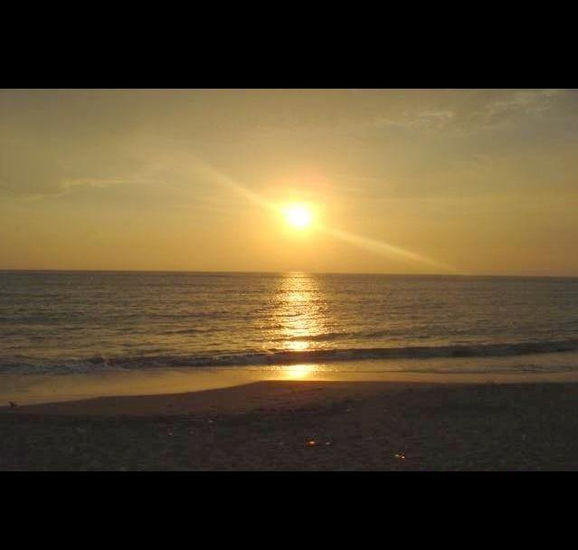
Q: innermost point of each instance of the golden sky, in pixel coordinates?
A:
(397, 181)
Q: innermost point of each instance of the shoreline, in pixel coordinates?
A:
(263, 396)
(26, 389)
(281, 393)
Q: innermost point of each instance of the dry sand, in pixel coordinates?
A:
(299, 425)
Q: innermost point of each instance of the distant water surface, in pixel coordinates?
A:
(60, 322)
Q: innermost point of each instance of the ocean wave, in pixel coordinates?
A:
(28, 365)
(101, 363)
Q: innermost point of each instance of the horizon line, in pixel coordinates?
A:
(274, 272)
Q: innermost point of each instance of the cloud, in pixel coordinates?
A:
(67, 187)
(521, 103)
(421, 120)
(474, 110)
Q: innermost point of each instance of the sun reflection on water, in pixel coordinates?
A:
(298, 345)
(297, 372)
(299, 312)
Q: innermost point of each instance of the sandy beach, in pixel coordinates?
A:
(287, 279)
(304, 425)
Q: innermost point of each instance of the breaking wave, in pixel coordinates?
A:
(28, 365)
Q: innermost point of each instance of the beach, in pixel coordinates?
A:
(286, 425)
(288, 280)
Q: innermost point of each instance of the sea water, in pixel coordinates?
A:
(86, 322)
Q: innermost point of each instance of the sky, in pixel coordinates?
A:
(475, 182)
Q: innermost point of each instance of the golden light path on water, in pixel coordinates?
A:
(372, 245)
(298, 314)
(297, 372)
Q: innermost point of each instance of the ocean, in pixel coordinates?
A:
(84, 322)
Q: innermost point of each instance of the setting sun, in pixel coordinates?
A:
(298, 216)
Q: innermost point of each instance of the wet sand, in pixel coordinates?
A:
(304, 425)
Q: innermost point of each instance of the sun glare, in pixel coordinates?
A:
(298, 216)
(293, 372)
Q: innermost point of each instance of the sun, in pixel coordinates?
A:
(298, 216)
